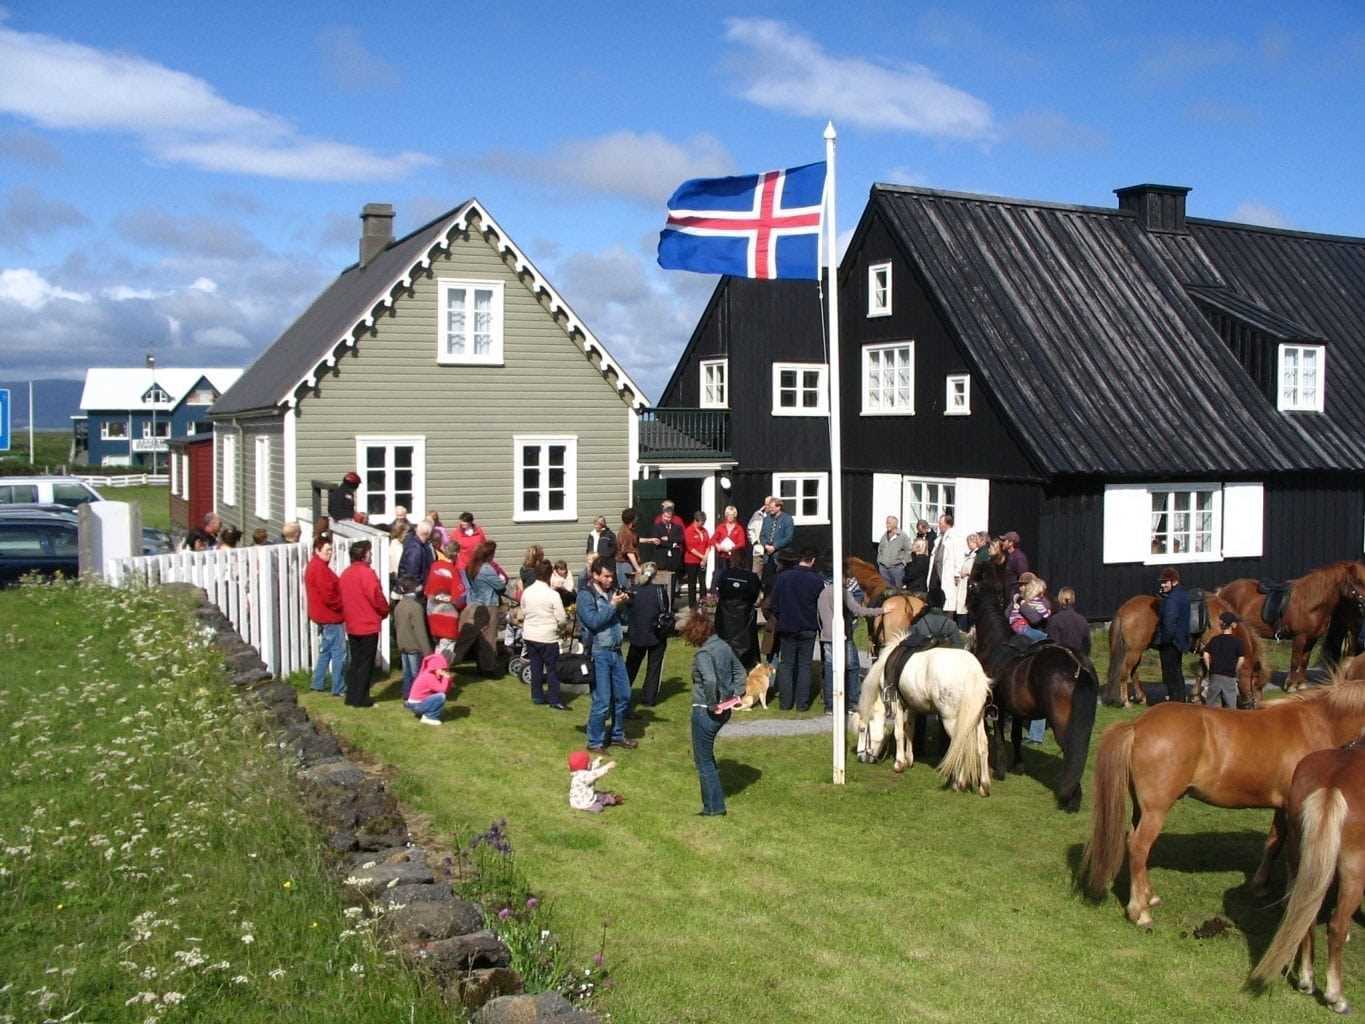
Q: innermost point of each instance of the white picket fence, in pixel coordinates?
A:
(261, 590)
(124, 480)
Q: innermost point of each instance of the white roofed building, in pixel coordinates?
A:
(130, 414)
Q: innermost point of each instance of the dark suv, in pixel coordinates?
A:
(37, 541)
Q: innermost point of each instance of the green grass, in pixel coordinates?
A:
(884, 899)
(154, 500)
(51, 448)
(153, 863)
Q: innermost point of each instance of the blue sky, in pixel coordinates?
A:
(184, 178)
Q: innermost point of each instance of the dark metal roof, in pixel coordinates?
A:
(1081, 326)
(1264, 320)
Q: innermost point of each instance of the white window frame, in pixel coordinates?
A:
(149, 433)
(184, 460)
(104, 430)
(792, 504)
(713, 368)
(156, 395)
(1295, 403)
(418, 443)
(868, 409)
(822, 389)
(1215, 552)
(262, 476)
(229, 448)
(175, 474)
(520, 514)
(444, 287)
(965, 409)
(874, 307)
(937, 505)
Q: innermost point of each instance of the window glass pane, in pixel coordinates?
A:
(557, 454)
(402, 456)
(557, 478)
(402, 479)
(530, 479)
(556, 501)
(64, 542)
(786, 379)
(20, 542)
(403, 498)
(530, 455)
(374, 456)
(530, 500)
(455, 321)
(374, 480)
(483, 321)
(70, 495)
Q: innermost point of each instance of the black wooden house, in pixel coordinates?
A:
(1127, 388)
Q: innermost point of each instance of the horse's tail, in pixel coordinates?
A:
(1320, 825)
(1118, 655)
(962, 764)
(1108, 820)
(1076, 744)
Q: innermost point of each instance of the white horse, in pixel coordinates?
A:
(943, 680)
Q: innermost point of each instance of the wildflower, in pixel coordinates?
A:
(240, 979)
(532, 903)
(287, 884)
(248, 939)
(172, 998)
(504, 913)
(598, 959)
(277, 973)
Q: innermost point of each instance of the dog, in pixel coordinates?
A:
(756, 687)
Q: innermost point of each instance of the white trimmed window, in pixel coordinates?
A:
(879, 289)
(957, 399)
(889, 379)
(714, 384)
(1301, 377)
(175, 474)
(156, 395)
(229, 448)
(184, 461)
(805, 497)
(469, 322)
(545, 481)
(161, 428)
(1160, 523)
(202, 396)
(928, 499)
(393, 472)
(262, 477)
(114, 430)
(799, 389)
(1185, 522)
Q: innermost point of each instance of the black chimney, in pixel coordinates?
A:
(376, 230)
(1158, 207)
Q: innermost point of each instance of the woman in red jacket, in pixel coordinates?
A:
(730, 540)
(696, 542)
(365, 607)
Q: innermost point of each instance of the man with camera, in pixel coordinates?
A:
(601, 613)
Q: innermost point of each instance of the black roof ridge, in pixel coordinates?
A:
(1264, 229)
(982, 197)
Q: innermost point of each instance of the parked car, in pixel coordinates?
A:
(37, 541)
(46, 490)
(154, 541)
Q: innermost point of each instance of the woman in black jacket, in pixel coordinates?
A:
(649, 609)
(917, 570)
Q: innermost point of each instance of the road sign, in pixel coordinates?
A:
(4, 420)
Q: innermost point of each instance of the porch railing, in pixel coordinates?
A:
(680, 435)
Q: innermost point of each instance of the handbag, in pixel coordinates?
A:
(665, 624)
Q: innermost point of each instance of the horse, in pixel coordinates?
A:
(1046, 681)
(943, 680)
(1220, 756)
(899, 609)
(1325, 813)
(1308, 614)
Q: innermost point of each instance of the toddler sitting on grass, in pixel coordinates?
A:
(429, 689)
(583, 795)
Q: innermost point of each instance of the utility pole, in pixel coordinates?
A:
(31, 417)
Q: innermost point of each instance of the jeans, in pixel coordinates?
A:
(853, 683)
(705, 726)
(894, 575)
(793, 669)
(610, 695)
(544, 660)
(412, 664)
(428, 708)
(1037, 730)
(331, 651)
(362, 653)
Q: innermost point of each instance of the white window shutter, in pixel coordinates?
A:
(1243, 520)
(1127, 523)
(886, 501)
(973, 498)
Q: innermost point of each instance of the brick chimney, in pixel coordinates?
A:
(1158, 207)
(376, 230)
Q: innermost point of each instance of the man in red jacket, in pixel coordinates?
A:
(324, 609)
(365, 607)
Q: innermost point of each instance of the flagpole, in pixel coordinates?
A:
(836, 467)
(31, 461)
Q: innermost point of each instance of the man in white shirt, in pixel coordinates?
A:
(755, 528)
(945, 566)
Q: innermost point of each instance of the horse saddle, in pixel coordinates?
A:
(1019, 644)
(1199, 613)
(896, 661)
(1276, 600)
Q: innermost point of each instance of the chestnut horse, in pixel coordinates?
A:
(1132, 630)
(1313, 601)
(1220, 756)
(900, 610)
(1325, 814)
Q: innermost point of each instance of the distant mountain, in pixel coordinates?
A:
(57, 402)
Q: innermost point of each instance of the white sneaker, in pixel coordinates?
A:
(431, 721)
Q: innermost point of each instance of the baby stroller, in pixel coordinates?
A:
(574, 665)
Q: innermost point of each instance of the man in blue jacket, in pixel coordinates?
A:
(1173, 634)
(775, 534)
(795, 604)
(418, 557)
(600, 613)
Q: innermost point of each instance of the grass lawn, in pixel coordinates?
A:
(50, 448)
(154, 499)
(153, 862)
(884, 899)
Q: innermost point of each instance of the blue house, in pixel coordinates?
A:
(129, 415)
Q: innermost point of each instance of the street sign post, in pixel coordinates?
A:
(4, 419)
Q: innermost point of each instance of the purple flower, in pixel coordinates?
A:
(504, 913)
(532, 903)
(599, 959)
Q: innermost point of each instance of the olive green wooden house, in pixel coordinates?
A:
(447, 371)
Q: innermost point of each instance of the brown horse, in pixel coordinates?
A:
(1313, 602)
(1325, 814)
(900, 610)
(1221, 756)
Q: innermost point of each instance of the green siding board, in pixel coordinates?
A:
(243, 514)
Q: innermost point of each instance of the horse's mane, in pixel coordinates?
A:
(1346, 696)
(1320, 586)
(867, 576)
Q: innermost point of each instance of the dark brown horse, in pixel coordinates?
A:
(1314, 600)
(1048, 681)
(900, 610)
(1325, 815)
(1220, 756)
(1134, 627)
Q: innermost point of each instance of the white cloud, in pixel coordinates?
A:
(1253, 212)
(126, 293)
(29, 289)
(783, 69)
(205, 284)
(639, 165)
(177, 117)
(221, 337)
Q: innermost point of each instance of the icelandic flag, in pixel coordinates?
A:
(752, 225)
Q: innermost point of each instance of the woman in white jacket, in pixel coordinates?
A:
(542, 616)
(946, 565)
